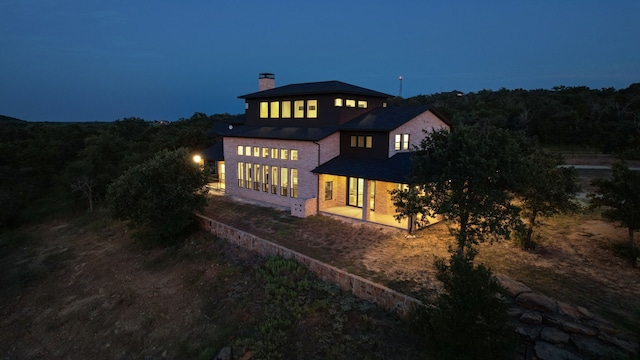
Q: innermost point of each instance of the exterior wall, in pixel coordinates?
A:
(339, 191)
(377, 151)
(329, 148)
(427, 121)
(307, 161)
(384, 205)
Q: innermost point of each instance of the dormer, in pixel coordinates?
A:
(316, 104)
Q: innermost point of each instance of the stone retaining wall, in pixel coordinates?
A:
(362, 288)
(548, 329)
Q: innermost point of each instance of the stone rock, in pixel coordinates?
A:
(537, 302)
(585, 312)
(604, 326)
(529, 331)
(513, 288)
(224, 354)
(592, 348)
(624, 344)
(546, 351)
(577, 328)
(554, 336)
(531, 317)
(515, 312)
(568, 310)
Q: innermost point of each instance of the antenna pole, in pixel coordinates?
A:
(400, 92)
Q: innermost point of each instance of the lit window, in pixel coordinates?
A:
(354, 141)
(274, 179)
(350, 103)
(240, 150)
(312, 109)
(362, 104)
(368, 142)
(284, 181)
(294, 183)
(384, 105)
(401, 142)
(294, 155)
(298, 106)
(405, 141)
(256, 177)
(274, 153)
(328, 190)
(265, 178)
(275, 109)
(248, 177)
(286, 109)
(240, 174)
(265, 152)
(337, 102)
(360, 141)
(247, 150)
(246, 106)
(397, 142)
(256, 151)
(284, 154)
(264, 109)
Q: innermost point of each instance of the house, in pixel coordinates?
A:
(322, 147)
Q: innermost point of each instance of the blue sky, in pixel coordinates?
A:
(89, 60)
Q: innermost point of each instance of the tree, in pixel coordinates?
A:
(467, 176)
(548, 189)
(160, 195)
(620, 198)
(467, 320)
(85, 185)
(408, 202)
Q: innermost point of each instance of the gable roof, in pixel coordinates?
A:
(395, 169)
(322, 87)
(389, 118)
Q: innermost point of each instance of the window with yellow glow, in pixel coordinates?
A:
(240, 150)
(256, 177)
(275, 109)
(298, 107)
(337, 102)
(294, 155)
(368, 142)
(274, 153)
(350, 103)
(247, 150)
(354, 141)
(284, 154)
(405, 141)
(264, 109)
(286, 109)
(240, 174)
(265, 152)
(265, 178)
(294, 183)
(312, 109)
(274, 179)
(248, 175)
(362, 104)
(256, 151)
(284, 181)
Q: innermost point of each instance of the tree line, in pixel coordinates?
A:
(606, 120)
(46, 168)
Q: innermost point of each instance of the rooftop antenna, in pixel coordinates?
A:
(400, 92)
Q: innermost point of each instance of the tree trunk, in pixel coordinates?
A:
(632, 244)
(528, 244)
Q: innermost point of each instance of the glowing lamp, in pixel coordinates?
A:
(197, 159)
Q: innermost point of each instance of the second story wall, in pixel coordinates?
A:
(411, 133)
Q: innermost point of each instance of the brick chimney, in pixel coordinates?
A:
(266, 81)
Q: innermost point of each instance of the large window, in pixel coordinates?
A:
(294, 155)
(337, 102)
(284, 181)
(284, 154)
(294, 183)
(275, 110)
(248, 178)
(240, 150)
(274, 179)
(362, 104)
(240, 174)
(350, 103)
(356, 192)
(256, 177)
(286, 109)
(265, 178)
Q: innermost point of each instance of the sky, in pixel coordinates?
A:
(102, 60)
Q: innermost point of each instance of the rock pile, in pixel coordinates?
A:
(549, 329)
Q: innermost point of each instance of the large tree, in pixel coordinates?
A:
(547, 190)
(160, 195)
(467, 176)
(620, 198)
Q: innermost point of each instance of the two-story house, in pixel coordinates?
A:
(323, 147)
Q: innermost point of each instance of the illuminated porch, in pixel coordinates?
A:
(355, 213)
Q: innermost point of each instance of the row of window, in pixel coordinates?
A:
(284, 110)
(280, 181)
(300, 109)
(265, 152)
(362, 141)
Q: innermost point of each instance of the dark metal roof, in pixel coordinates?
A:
(395, 169)
(323, 87)
(283, 133)
(214, 152)
(387, 119)
(222, 127)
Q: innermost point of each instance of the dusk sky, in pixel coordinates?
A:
(89, 60)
